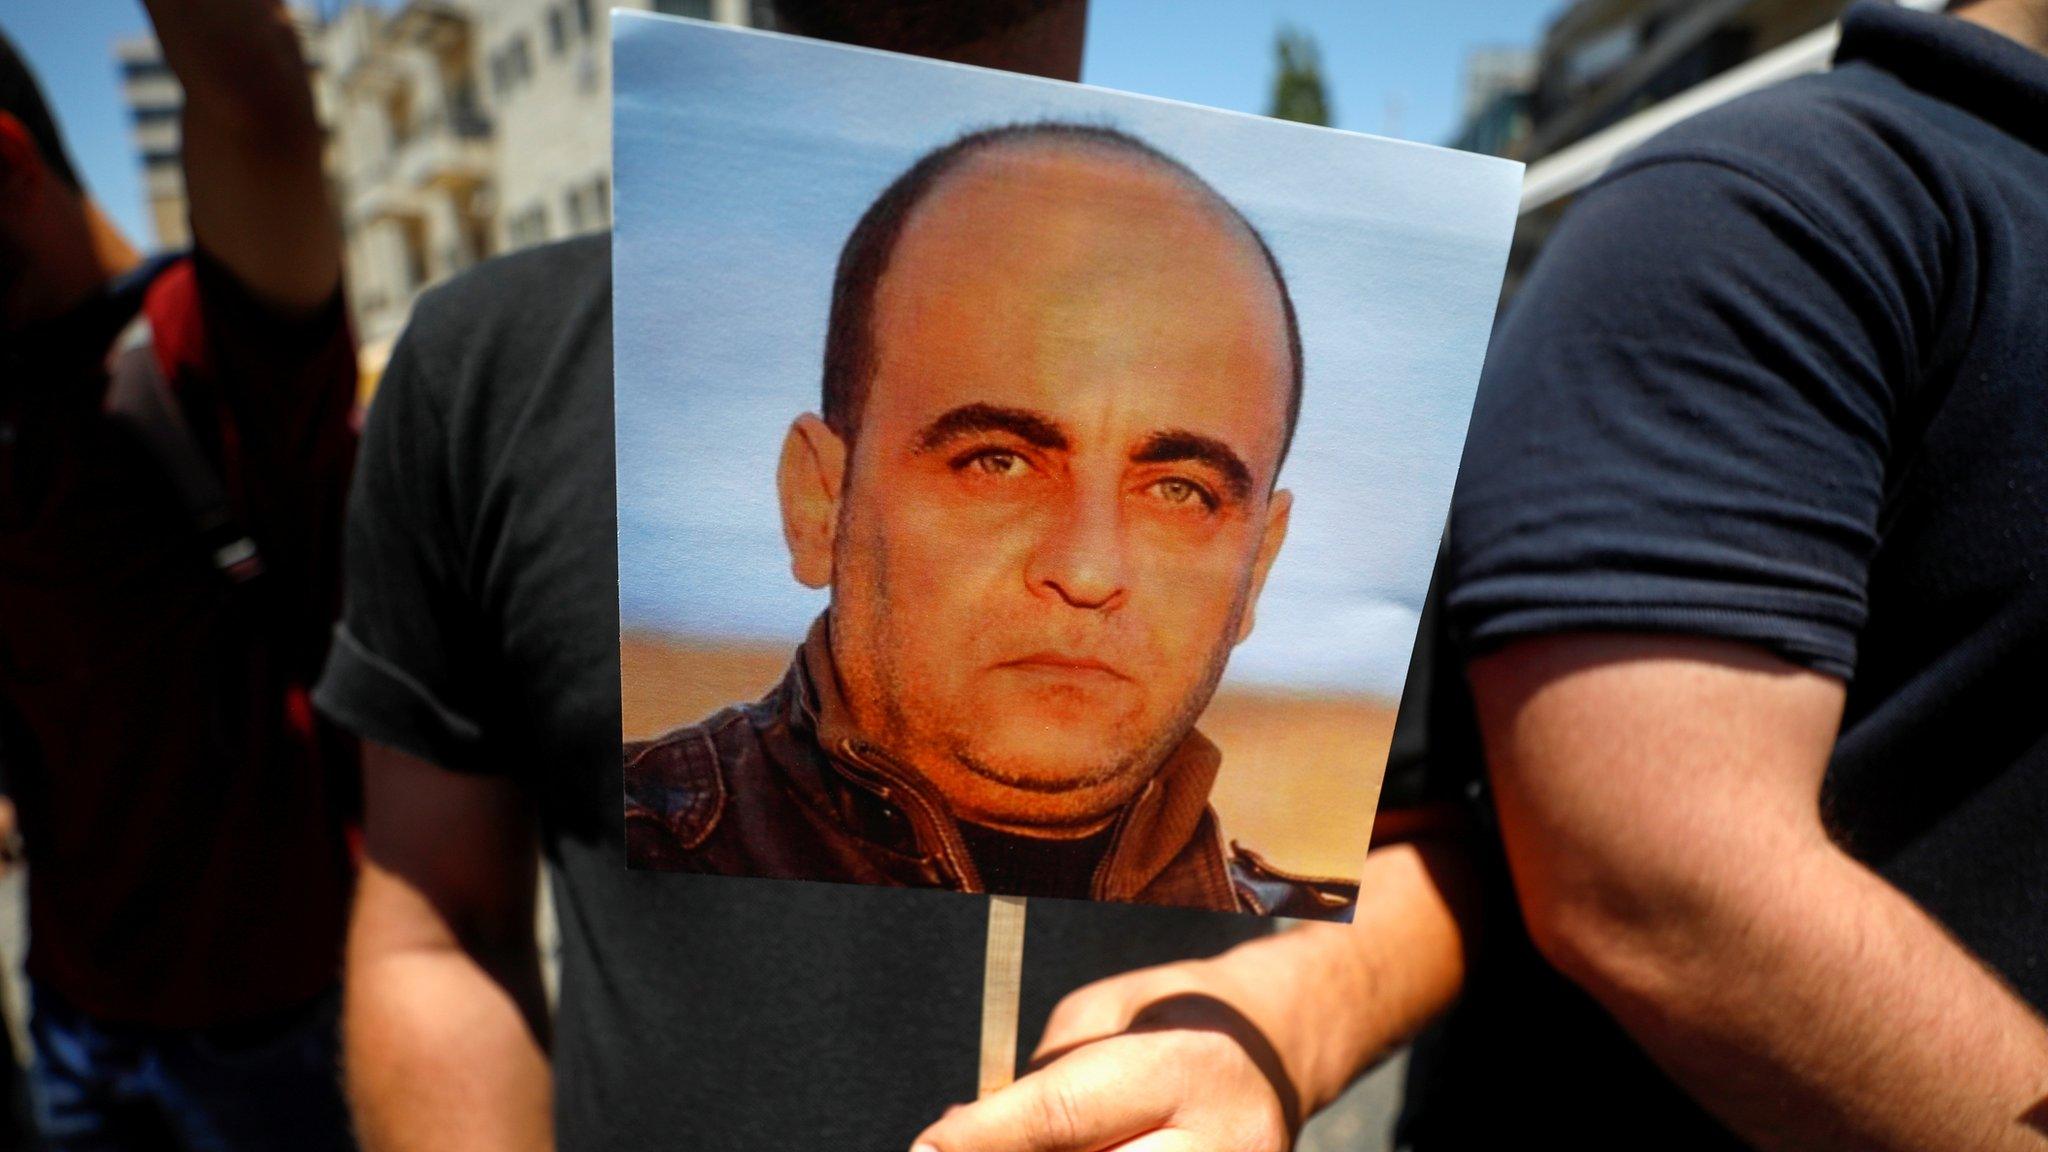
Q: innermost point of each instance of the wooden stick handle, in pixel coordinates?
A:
(1002, 983)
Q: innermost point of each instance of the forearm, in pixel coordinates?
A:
(444, 1045)
(1335, 998)
(1817, 1008)
(240, 59)
(252, 146)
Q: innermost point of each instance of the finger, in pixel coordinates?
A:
(1092, 1099)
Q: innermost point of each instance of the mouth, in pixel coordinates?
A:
(1064, 664)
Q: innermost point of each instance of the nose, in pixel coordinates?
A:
(1081, 559)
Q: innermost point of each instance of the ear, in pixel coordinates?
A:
(1278, 509)
(808, 481)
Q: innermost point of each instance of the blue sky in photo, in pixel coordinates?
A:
(743, 159)
(1392, 67)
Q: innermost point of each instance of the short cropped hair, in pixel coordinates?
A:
(22, 98)
(850, 354)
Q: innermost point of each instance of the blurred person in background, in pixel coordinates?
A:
(1748, 571)
(478, 658)
(175, 446)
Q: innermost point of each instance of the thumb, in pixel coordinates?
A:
(1085, 1100)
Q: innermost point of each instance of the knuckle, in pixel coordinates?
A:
(1057, 1116)
(1066, 1013)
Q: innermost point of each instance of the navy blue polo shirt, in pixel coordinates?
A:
(1781, 377)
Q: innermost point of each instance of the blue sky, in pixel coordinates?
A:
(742, 161)
(1214, 52)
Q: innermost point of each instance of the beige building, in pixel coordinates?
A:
(410, 153)
(547, 66)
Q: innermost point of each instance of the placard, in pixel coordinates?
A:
(1023, 487)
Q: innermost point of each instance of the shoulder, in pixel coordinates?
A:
(678, 786)
(1804, 207)
(1267, 890)
(1850, 151)
(492, 335)
(518, 341)
(542, 284)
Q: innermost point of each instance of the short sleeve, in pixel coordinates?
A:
(1683, 422)
(406, 657)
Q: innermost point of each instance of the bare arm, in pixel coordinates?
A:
(252, 147)
(1660, 803)
(1231, 1054)
(444, 1026)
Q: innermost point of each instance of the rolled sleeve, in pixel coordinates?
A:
(408, 658)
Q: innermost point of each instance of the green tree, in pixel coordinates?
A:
(1298, 91)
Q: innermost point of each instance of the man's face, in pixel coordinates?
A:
(1059, 505)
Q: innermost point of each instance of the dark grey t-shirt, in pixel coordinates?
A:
(1782, 378)
(481, 633)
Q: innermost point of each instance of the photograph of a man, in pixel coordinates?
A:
(1022, 488)
(1061, 374)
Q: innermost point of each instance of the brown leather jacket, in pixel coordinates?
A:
(785, 788)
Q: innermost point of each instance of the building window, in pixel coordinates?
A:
(154, 68)
(529, 227)
(558, 31)
(519, 60)
(413, 236)
(399, 112)
(601, 200)
(586, 19)
(574, 201)
(698, 9)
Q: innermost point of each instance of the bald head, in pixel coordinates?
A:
(1029, 212)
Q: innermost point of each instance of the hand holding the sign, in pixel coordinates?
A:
(1233, 1053)
(1152, 1061)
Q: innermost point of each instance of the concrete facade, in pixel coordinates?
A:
(547, 66)
(411, 153)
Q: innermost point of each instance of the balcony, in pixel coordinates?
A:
(440, 158)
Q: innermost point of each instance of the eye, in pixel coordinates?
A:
(993, 462)
(1183, 493)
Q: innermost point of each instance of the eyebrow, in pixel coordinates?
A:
(970, 419)
(1173, 446)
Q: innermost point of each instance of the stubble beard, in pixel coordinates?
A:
(898, 733)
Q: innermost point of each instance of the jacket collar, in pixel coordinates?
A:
(1165, 836)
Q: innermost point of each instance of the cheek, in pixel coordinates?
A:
(1192, 589)
(942, 566)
